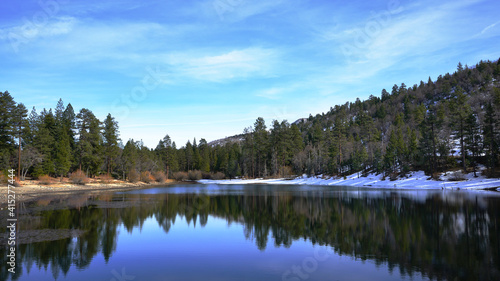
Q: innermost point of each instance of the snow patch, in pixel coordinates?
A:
(415, 180)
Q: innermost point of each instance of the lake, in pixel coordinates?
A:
(260, 232)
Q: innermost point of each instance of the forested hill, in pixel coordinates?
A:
(432, 126)
(450, 123)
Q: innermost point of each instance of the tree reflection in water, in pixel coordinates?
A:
(444, 236)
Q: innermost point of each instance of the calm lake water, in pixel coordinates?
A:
(260, 232)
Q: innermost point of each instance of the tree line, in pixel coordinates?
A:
(434, 126)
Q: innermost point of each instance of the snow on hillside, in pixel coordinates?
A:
(415, 180)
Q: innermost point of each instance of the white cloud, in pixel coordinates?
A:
(235, 64)
(31, 30)
(235, 10)
(271, 93)
(489, 27)
(379, 43)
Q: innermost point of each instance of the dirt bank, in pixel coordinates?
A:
(33, 190)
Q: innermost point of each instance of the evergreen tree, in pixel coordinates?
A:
(204, 155)
(44, 141)
(472, 140)
(391, 153)
(490, 136)
(62, 157)
(7, 143)
(89, 142)
(460, 112)
(196, 156)
(61, 153)
(427, 146)
(130, 156)
(261, 145)
(110, 141)
(249, 151)
(189, 156)
(19, 123)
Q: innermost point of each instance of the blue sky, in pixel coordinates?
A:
(209, 68)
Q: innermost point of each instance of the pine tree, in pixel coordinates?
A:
(196, 156)
(391, 153)
(167, 153)
(61, 153)
(7, 143)
(472, 140)
(490, 136)
(460, 112)
(19, 123)
(69, 123)
(276, 142)
(261, 145)
(249, 151)
(412, 147)
(189, 156)
(59, 111)
(205, 156)
(62, 162)
(174, 158)
(130, 156)
(44, 141)
(427, 146)
(89, 141)
(110, 141)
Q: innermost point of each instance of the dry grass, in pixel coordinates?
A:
(147, 177)
(159, 176)
(78, 177)
(106, 178)
(45, 180)
(133, 176)
(5, 180)
(180, 176)
(218, 176)
(194, 175)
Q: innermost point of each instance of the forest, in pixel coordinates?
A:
(448, 124)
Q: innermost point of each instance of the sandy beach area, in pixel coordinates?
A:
(33, 190)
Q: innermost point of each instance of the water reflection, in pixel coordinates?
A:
(443, 236)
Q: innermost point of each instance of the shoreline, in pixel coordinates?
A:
(416, 180)
(31, 190)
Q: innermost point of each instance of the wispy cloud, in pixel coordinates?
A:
(489, 27)
(385, 38)
(235, 64)
(31, 31)
(229, 11)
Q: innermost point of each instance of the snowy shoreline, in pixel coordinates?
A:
(415, 180)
